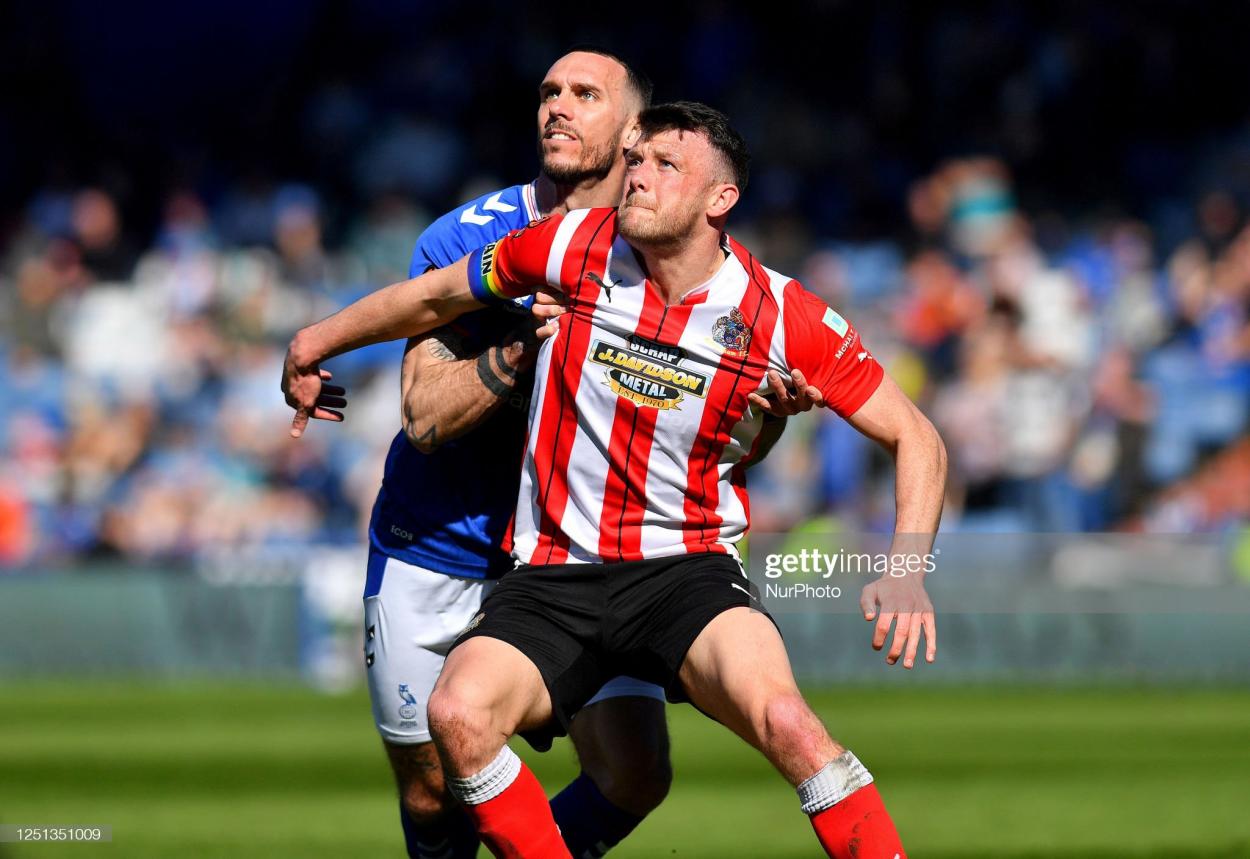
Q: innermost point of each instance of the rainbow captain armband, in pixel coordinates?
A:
(484, 281)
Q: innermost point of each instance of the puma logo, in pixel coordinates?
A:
(606, 287)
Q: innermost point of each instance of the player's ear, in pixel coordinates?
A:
(721, 198)
(633, 131)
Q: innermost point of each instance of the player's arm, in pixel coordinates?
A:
(448, 390)
(511, 267)
(404, 309)
(892, 420)
(829, 350)
(899, 598)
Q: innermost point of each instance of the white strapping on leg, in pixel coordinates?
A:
(834, 782)
(493, 780)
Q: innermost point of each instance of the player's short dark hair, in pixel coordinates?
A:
(695, 116)
(634, 79)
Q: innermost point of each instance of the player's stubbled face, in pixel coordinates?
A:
(582, 112)
(667, 179)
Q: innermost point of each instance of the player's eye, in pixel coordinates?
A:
(587, 95)
(665, 163)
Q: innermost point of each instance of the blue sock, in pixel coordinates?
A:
(590, 824)
(452, 837)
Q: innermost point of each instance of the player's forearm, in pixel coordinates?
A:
(403, 309)
(463, 395)
(920, 485)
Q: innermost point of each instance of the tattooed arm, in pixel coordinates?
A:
(447, 391)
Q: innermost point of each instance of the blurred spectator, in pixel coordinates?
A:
(107, 254)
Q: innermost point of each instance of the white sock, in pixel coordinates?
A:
(493, 780)
(834, 782)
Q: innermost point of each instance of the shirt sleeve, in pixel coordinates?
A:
(439, 245)
(828, 350)
(421, 262)
(514, 265)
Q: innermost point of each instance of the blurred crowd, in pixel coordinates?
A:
(1082, 377)
(1070, 306)
(1075, 371)
(141, 415)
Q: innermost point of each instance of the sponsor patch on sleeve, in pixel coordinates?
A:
(832, 320)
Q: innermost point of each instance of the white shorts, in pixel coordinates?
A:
(412, 617)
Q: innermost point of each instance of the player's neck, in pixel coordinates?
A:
(677, 270)
(594, 193)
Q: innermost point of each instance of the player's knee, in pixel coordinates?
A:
(649, 779)
(637, 782)
(458, 722)
(786, 720)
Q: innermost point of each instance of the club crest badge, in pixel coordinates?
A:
(731, 331)
(407, 710)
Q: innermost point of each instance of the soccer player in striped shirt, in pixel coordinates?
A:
(632, 495)
(450, 484)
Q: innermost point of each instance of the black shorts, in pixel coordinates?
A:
(583, 624)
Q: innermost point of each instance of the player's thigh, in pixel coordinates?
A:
(530, 654)
(736, 666)
(412, 617)
(492, 681)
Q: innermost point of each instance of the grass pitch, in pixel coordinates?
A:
(236, 770)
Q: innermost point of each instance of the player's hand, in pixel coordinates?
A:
(306, 392)
(903, 602)
(783, 401)
(520, 347)
(549, 305)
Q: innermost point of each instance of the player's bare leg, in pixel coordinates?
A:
(434, 823)
(737, 671)
(419, 777)
(622, 745)
(488, 691)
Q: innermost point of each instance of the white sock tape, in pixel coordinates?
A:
(834, 782)
(493, 780)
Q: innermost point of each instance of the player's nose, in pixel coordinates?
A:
(637, 178)
(562, 105)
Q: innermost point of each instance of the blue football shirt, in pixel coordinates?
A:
(447, 511)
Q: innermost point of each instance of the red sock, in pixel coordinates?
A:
(858, 827)
(517, 824)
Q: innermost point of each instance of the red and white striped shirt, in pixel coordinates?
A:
(639, 425)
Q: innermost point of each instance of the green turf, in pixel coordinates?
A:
(249, 771)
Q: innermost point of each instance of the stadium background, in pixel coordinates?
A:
(1036, 214)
